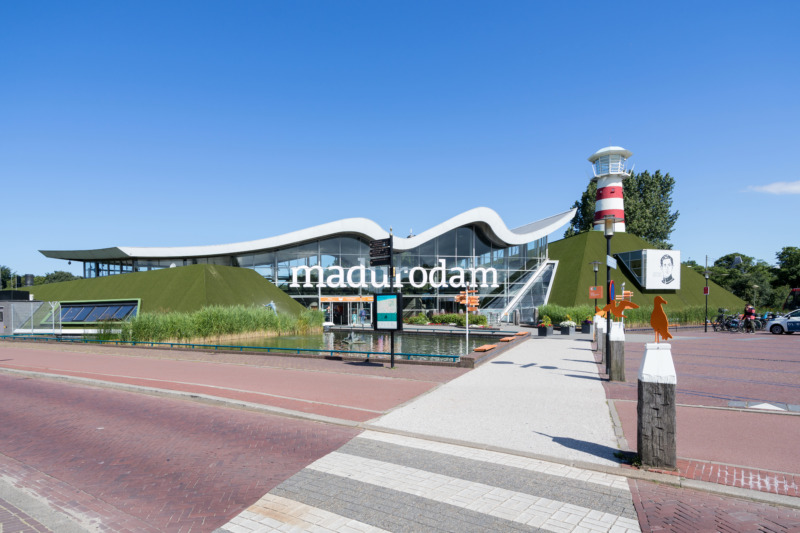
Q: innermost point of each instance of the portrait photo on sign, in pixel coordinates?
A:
(663, 269)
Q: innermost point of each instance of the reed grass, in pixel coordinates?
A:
(688, 316)
(216, 323)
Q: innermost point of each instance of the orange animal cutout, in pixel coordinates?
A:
(616, 308)
(658, 319)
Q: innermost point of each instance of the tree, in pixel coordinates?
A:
(648, 200)
(5, 277)
(788, 271)
(748, 278)
(584, 216)
(58, 276)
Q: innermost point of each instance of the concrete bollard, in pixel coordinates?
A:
(600, 345)
(596, 321)
(655, 434)
(615, 362)
(599, 329)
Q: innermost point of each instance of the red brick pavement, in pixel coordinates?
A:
(138, 463)
(750, 448)
(737, 476)
(349, 391)
(667, 508)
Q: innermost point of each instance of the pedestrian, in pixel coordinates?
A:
(363, 315)
(353, 318)
(750, 318)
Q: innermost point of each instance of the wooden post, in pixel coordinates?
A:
(615, 362)
(655, 435)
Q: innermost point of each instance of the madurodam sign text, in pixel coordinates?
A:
(335, 277)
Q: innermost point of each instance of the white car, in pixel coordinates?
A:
(788, 323)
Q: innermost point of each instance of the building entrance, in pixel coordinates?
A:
(348, 310)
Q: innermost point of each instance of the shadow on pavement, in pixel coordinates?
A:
(598, 450)
(593, 378)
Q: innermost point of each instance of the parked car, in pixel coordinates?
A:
(788, 323)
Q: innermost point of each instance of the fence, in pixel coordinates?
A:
(31, 317)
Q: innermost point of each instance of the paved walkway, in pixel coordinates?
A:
(542, 397)
(539, 399)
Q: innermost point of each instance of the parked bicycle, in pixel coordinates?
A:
(726, 322)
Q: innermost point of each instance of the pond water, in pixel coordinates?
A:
(367, 341)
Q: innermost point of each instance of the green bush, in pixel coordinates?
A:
(459, 319)
(559, 314)
(419, 320)
(216, 321)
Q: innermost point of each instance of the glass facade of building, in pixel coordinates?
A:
(465, 247)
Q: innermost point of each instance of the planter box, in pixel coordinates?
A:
(544, 331)
(586, 328)
(568, 330)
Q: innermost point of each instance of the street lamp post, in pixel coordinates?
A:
(595, 267)
(608, 230)
(705, 328)
(755, 293)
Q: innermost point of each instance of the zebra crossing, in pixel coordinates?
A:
(388, 482)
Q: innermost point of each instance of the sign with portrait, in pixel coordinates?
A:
(662, 269)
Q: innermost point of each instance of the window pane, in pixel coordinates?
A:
(109, 312)
(82, 313)
(96, 313)
(446, 244)
(464, 242)
(68, 313)
(122, 312)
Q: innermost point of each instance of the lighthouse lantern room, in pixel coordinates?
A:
(609, 171)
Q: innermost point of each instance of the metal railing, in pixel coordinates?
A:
(440, 330)
(267, 349)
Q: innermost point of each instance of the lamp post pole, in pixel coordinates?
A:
(705, 328)
(595, 267)
(609, 232)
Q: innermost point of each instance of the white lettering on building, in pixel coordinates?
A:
(362, 277)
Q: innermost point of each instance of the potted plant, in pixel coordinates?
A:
(586, 326)
(545, 326)
(567, 327)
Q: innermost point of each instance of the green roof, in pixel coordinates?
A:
(186, 288)
(574, 275)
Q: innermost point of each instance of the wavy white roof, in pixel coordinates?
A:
(483, 217)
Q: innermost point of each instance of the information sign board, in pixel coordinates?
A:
(388, 312)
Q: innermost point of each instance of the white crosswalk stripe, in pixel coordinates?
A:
(518, 507)
(516, 461)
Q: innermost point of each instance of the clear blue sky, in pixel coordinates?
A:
(167, 123)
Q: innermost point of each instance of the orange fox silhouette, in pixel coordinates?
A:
(616, 308)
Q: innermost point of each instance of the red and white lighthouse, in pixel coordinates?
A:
(609, 171)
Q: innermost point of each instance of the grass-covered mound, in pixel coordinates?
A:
(574, 276)
(218, 323)
(182, 289)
